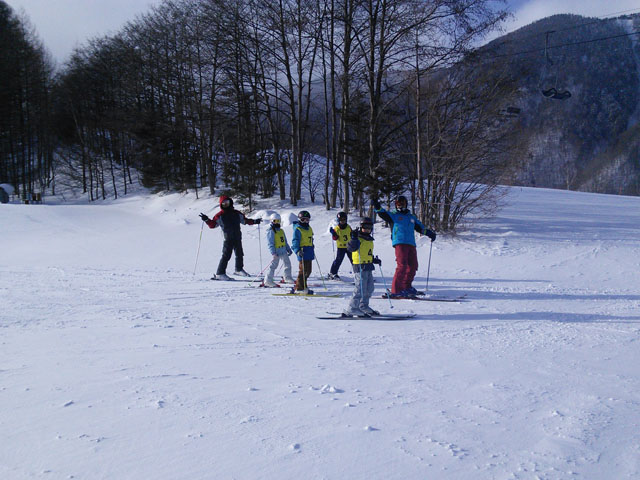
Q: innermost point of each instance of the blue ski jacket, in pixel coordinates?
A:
(404, 225)
(282, 248)
(302, 242)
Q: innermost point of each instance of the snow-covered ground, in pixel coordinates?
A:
(117, 362)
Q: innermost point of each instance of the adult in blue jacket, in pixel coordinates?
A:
(404, 224)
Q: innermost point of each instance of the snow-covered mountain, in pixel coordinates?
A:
(118, 361)
(590, 140)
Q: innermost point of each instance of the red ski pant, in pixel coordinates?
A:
(406, 267)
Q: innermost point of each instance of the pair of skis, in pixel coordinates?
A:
(250, 278)
(426, 298)
(379, 316)
(330, 295)
(288, 294)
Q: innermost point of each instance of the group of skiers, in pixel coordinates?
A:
(356, 244)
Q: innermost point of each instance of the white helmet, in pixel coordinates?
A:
(275, 218)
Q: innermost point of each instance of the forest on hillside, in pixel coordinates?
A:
(589, 141)
(350, 99)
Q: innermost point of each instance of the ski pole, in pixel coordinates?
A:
(385, 287)
(198, 254)
(278, 271)
(334, 253)
(426, 290)
(361, 289)
(259, 275)
(304, 273)
(320, 270)
(260, 245)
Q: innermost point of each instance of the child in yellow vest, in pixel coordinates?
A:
(341, 235)
(280, 250)
(361, 248)
(302, 245)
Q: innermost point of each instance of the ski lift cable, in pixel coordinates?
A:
(562, 45)
(600, 19)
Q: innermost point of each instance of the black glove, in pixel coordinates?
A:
(431, 234)
(256, 221)
(376, 203)
(377, 261)
(204, 217)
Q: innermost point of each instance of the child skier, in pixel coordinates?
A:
(302, 245)
(279, 249)
(341, 235)
(404, 224)
(361, 246)
(229, 220)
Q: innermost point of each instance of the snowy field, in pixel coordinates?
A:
(117, 362)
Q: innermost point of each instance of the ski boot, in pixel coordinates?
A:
(355, 314)
(222, 276)
(369, 311)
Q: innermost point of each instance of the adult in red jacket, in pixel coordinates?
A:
(229, 220)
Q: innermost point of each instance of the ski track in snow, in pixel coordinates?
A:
(116, 361)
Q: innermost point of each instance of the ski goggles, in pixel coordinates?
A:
(226, 203)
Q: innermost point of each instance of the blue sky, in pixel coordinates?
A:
(65, 24)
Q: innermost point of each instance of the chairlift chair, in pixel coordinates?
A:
(552, 92)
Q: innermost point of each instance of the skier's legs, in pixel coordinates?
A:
(303, 274)
(367, 290)
(287, 266)
(400, 278)
(272, 269)
(227, 248)
(237, 248)
(413, 264)
(308, 265)
(335, 266)
(356, 298)
(300, 281)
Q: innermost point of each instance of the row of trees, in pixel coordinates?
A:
(195, 94)
(26, 137)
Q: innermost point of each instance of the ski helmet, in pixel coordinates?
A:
(226, 202)
(366, 223)
(401, 199)
(304, 214)
(274, 218)
(342, 216)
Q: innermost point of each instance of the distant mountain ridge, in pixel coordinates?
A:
(590, 141)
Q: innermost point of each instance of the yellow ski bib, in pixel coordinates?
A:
(278, 238)
(364, 254)
(306, 237)
(344, 235)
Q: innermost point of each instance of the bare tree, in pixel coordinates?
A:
(26, 75)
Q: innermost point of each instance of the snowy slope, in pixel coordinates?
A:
(117, 362)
